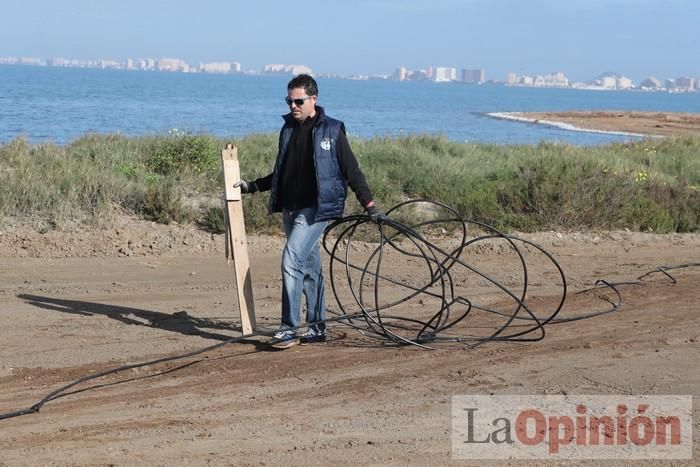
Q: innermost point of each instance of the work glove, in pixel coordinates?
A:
(375, 214)
(246, 187)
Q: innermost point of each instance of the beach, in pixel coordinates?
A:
(622, 122)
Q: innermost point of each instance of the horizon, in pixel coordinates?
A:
(634, 38)
(94, 63)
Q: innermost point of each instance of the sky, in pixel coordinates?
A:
(582, 38)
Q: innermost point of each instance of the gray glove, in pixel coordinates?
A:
(375, 214)
(246, 187)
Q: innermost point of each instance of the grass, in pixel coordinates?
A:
(650, 185)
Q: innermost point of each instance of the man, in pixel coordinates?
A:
(308, 185)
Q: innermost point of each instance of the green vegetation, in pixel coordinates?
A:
(647, 185)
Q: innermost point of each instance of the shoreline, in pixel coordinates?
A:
(520, 117)
(635, 124)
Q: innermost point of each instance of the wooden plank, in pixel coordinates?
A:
(236, 242)
(232, 172)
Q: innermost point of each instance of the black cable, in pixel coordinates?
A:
(441, 266)
(520, 321)
(58, 392)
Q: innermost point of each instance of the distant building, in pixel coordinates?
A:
(293, 69)
(215, 67)
(473, 76)
(58, 61)
(418, 75)
(650, 83)
(274, 68)
(444, 74)
(172, 64)
(299, 69)
(109, 64)
(401, 74)
(30, 61)
(551, 80)
(608, 82)
(685, 83)
(622, 82)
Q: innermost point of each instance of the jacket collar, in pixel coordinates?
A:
(289, 120)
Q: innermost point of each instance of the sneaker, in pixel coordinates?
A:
(284, 339)
(310, 337)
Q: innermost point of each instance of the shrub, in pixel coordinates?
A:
(214, 220)
(180, 152)
(651, 184)
(162, 202)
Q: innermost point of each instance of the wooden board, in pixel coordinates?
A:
(236, 242)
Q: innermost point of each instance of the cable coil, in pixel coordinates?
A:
(425, 300)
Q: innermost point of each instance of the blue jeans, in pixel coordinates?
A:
(302, 271)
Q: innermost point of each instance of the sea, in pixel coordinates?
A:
(59, 105)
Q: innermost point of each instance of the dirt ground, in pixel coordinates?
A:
(78, 303)
(646, 123)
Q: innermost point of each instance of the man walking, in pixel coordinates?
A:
(308, 184)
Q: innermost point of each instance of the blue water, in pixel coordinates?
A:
(62, 104)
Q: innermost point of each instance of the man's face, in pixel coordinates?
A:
(307, 107)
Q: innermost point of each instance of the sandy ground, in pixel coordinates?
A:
(78, 303)
(645, 123)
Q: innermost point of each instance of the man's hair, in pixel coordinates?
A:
(306, 82)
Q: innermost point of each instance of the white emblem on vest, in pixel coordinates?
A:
(326, 144)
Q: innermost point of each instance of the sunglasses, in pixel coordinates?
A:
(297, 102)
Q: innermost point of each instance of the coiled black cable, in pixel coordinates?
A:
(363, 279)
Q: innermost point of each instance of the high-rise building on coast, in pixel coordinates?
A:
(683, 83)
(439, 74)
(418, 75)
(650, 83)
(30, 61)
(58, 61)
(291, 69)
(474, 76)
(622, 82)
(109, 64)
(401, 74)
(172, 64)
(550, 80)
(444, 74)
(216, 67)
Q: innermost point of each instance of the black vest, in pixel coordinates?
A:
(332, 187)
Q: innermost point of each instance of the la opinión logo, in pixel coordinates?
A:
(595, 427)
